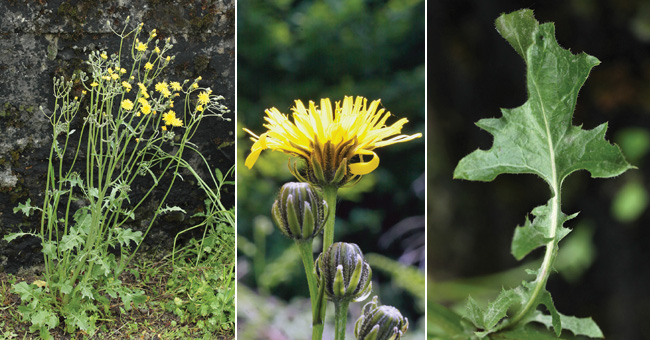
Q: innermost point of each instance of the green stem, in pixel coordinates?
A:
(547, 263)
(341, 318)
(329, 194)
(307, 255)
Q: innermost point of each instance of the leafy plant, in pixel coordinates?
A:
(539, 138)
(203, 281)
(124, 139)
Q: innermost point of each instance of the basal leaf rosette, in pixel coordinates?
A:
(329, 139)
(344, 272)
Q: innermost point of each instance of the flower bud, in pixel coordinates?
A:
(344, 272)
(300, 211)
(380, 323)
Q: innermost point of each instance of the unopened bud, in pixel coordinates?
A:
(300, 211)
(344, 272)
(380, 323)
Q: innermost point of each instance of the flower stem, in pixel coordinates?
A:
(306, 253)
(341, 318)
(329, 194)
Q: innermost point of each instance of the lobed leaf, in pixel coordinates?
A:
(538, 137)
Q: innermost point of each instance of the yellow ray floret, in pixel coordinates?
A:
(352, 122)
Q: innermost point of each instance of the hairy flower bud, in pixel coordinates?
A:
(344, 272)
(300, 211)
(380, 323)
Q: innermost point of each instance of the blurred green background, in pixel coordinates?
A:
(603, 267)
(308, 50)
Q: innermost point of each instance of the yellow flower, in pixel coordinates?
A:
(204, 98)
(168, 58)
(329, 138)
(164, 128)
(127, 86)
(104, 56)
(195, 86)
(122, 71)
(160, 86)
(176, 86)
(148, 66)
(146, 109)
(115, 76)
(199, 108)
(93, 84)
(170, 119)
(140, 46)
(127, 104)
(157, 50)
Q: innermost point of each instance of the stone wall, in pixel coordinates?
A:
(41, 39)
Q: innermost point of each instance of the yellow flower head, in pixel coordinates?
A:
(170, 119)
(140, 46)
(126, 86)
(157, 50)
(204, 98)
(127, 105)
(160, 86)
(148, 66)
(146, 109)
(104, 56)
(93, 84)
(329, 138)
(176, 86)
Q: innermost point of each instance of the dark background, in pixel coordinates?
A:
(43, 39)
(472, 72)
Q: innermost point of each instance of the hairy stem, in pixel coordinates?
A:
(341, 318)
(307, 255)
(329, 194)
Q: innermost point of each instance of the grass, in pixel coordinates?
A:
(188, 298)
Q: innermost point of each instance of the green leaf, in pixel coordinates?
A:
(538, 137)
(517, 28)
(474, 313)
(45, 318)
(578, 326)
(13, 236)
(26, 208)
(533, 235)
(124, 236)
(527, 333)
(498, 308)
(168, 209)
(556, 321)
